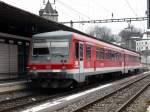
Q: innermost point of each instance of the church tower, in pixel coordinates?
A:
(49, 13)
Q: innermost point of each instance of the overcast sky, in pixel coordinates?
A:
(91, 10)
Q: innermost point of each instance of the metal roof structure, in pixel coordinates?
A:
(19, 22)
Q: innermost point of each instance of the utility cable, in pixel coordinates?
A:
(74, 9)
(131, 8)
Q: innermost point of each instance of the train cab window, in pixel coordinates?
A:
(76, 50)
(88, 52)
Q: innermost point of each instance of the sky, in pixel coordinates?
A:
(76, 10)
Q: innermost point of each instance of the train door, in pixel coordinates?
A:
(81, 61)
(124, 63)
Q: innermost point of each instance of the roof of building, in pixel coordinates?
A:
(48, 9)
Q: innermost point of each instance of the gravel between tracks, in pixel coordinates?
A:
(141, 103)
(13, 94)
(90, 98)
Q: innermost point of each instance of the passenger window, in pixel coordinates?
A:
(76, 50)
(113, 56)
(97, 53)
(101, 53)
(106, 54)
(88, 52)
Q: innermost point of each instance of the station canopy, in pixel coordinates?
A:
(19, 22)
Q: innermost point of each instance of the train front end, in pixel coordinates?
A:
(50, 60)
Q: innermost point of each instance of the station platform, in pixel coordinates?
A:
(11, 77)
(12, 82)
(12, 85)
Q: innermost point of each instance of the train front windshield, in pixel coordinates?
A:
(51, 50)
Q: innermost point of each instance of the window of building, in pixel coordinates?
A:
(11, 41)
(19, 43)
(145, 42)
(2, 40)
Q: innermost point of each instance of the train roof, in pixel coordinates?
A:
(66, 34)
(53, 34)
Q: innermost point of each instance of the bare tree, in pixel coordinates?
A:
(103, 33)
(126, 34)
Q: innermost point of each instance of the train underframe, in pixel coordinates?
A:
(65, 80)
(52, 80)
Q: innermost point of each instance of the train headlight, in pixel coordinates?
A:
(63, 67)
(28, 68)
(34, 68)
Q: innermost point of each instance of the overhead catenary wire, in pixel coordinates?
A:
(101, 6)
(141, 9)
(143, 5)
(67, 6)
(127, 2)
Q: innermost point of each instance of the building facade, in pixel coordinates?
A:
(49, 13)
(143, 45)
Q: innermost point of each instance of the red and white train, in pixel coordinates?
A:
(62, 58)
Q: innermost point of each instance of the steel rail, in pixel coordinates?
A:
(127, 103)
(28, 100)
(111, 93)
(38, 100)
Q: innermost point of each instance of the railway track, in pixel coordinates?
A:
(118, 100)
(30, 100)
(85, 100)
(13, 103)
